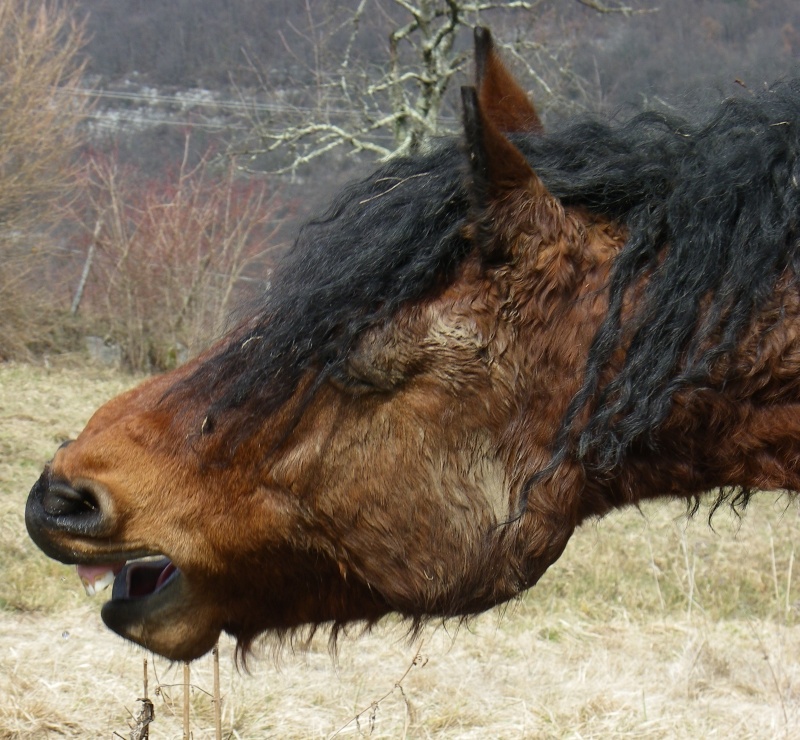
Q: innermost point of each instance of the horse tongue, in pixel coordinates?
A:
(96, 578)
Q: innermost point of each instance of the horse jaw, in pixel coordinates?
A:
(173, 622)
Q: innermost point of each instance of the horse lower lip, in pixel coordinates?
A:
(173, 620)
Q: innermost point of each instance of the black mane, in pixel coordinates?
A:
(711, 210)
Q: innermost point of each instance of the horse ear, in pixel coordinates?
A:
(500, 178)
(496, 165)
(501, 97)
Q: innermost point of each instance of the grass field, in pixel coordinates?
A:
(650, 626)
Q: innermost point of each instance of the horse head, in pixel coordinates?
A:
(395, 429)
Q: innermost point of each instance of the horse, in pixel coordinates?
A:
(473, 351)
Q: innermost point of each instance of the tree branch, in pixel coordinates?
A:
(601, 7)
(405, 101)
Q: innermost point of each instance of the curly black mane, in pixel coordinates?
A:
(712, 214)
(711, 210)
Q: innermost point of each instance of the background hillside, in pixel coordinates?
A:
(262, 109)
(279, 52)
(196, 43)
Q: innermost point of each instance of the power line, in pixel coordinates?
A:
(111, 120)
(203, 102)
(179, 100)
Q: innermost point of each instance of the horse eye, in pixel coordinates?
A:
(345, 378)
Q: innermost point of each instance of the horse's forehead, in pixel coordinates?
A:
(454, 326)
(458, 316)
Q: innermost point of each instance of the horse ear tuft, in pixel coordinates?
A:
(502, 98)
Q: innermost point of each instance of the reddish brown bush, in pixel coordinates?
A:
(166, 258)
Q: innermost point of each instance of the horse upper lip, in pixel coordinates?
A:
(72, 550)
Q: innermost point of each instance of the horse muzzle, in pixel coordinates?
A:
(60, 515)
(152, 602)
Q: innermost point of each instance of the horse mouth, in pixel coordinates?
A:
(138, 587)
(140, 590)
(152, 604)
(144, 578)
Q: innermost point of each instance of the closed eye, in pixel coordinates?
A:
(381, 362)
(343, 378)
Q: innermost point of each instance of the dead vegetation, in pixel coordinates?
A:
(166, 260)
(39, 133)
(649, 627)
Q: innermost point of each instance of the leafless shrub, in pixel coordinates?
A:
(166, 258)
(39, 117)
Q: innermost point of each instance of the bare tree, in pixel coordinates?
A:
(391, 109)
(40, 110)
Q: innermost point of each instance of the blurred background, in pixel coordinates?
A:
(154, 157)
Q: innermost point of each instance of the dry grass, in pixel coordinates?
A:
(648, 627)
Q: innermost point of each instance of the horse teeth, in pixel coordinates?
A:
(95, 582)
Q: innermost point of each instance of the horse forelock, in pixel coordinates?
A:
(710, 209)
(386, 241)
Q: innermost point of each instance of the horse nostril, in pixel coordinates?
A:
(56, 510)
(62, 500)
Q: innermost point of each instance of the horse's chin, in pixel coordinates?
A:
(171, 621)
